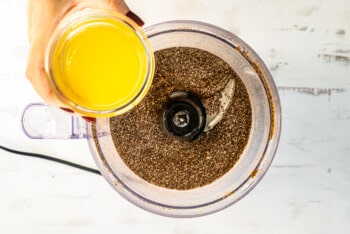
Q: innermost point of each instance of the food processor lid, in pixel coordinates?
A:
(184, 117)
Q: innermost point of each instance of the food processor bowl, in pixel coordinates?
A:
(253, 162)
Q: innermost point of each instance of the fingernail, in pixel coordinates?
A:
(89, 119)
(135, 18)
(67, 110)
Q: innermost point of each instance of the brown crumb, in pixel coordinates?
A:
(174, 163)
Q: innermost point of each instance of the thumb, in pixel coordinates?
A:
(121, 7)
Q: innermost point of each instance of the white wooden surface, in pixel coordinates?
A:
(306, 44)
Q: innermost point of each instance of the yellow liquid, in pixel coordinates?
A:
(100, 64)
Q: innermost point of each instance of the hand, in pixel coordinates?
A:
(43, 17)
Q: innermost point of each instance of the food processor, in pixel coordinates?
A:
(41, 121)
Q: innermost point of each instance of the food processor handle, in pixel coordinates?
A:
(42, 121)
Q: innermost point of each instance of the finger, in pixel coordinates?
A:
(89, 119)
(36, 74)
(70, 111)
(121, 7)
(29, 19)
(39, 82)
(135, 18)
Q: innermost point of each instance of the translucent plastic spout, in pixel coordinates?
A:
(42, 121)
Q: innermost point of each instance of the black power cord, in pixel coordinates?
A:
(49, 158)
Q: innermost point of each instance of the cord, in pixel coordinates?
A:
(49, 158)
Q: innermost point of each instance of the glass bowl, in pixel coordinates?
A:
(76, 97)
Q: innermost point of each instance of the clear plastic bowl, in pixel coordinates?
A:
(254, 161)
